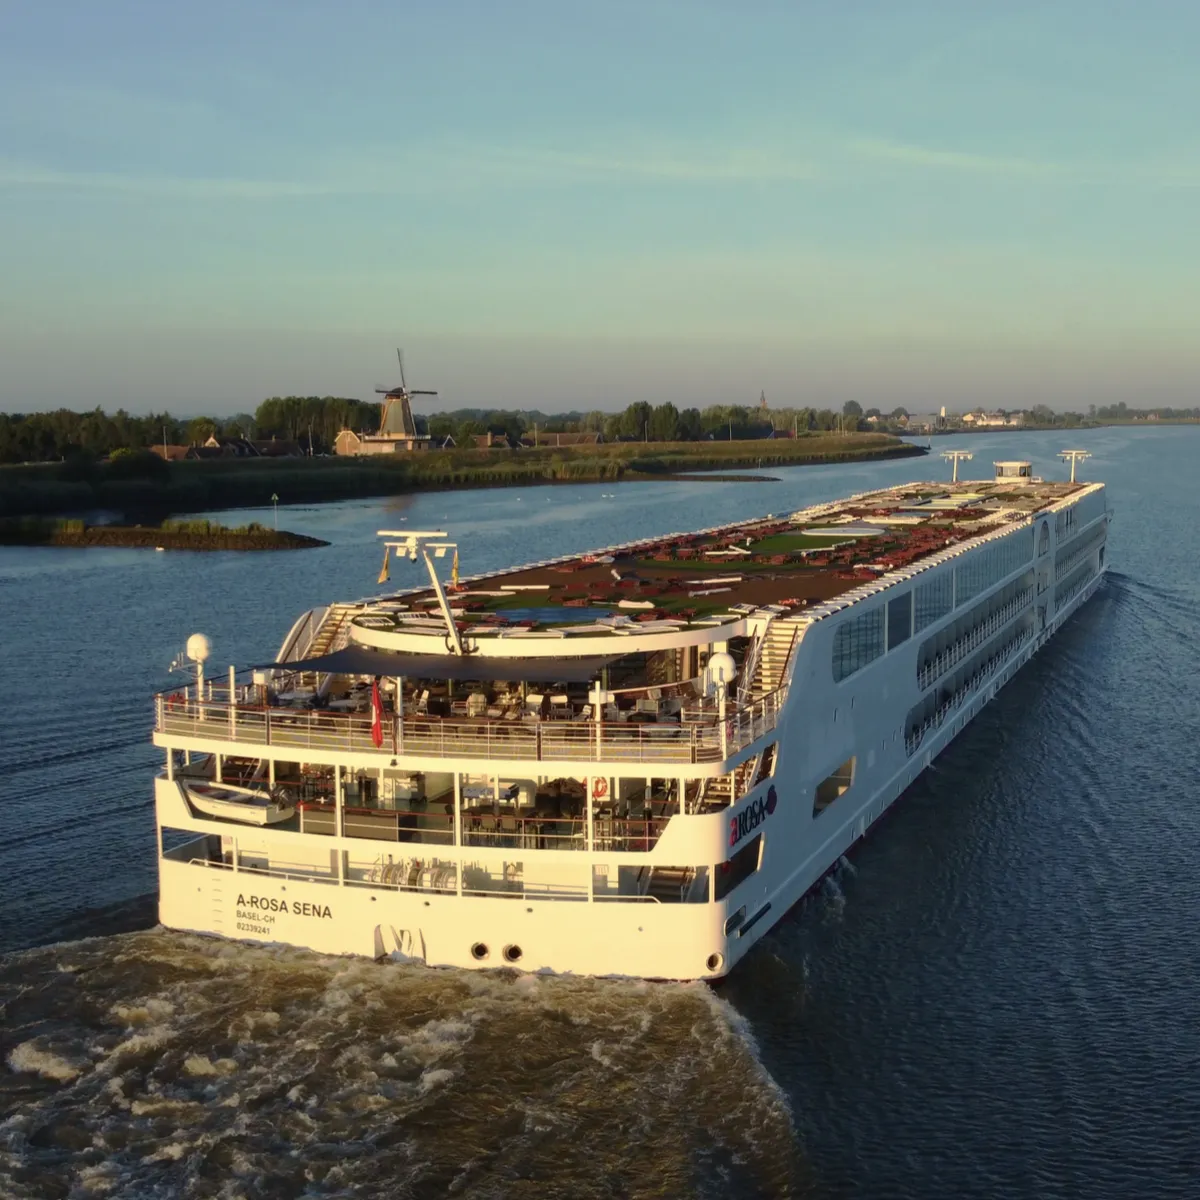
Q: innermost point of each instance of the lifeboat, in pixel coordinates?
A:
(250, 806)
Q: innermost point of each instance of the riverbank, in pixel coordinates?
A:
(150, 487)
(177, 535)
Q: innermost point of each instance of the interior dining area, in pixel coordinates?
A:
(393, 803)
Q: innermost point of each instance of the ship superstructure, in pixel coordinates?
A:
(630, 762)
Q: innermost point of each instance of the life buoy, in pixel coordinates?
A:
(599, 788)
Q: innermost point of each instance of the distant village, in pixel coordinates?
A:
(300, 426)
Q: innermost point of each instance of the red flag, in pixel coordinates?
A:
(376, 714)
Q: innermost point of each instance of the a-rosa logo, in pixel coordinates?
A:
(752, 816)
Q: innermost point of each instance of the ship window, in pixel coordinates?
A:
(186, 845)
(935, 598)
(857, 642)
(738, 868)
(899, 621)
(1044, 538)
(833, 786)
(987, 566)
(766, 768)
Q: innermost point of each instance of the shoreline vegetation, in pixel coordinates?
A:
(170, 535)
(142, 485)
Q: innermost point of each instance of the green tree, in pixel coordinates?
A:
(200, 429)
(635, 420)
(690, 428)
(664, 423)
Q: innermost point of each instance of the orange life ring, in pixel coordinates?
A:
(599, 788)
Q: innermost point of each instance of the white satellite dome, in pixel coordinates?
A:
(198, 647)
(721, 668)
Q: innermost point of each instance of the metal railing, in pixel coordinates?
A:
(973, 639)
(914, 737)
(181, 715)
(528, 833)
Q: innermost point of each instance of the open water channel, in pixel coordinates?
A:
(995, 996)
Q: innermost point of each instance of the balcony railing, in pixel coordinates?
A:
(972, 639)
(915, 736)
(182, 715)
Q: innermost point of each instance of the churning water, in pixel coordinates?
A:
(993, 996)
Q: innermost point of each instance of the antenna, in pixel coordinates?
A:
(410, 543)
(955, 456)
(1074, 457)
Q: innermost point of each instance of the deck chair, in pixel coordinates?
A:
(533, 704)
(423, 702)
(560, 707)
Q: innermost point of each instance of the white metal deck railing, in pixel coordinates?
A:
(181, 715)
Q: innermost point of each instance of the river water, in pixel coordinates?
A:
(994, 996)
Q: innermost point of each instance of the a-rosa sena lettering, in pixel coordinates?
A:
(272, 904)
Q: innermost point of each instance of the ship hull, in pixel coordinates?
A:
(845, 746)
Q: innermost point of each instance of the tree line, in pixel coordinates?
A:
(313, 423)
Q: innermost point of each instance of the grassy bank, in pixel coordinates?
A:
(151, 486)
(170, 535)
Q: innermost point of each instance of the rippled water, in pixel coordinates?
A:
(994, 996)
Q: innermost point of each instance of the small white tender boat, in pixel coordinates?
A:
(248, 805)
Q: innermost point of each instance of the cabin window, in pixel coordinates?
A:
(738, 868)
(766, 766)
(899, 620)
(1044, 538)
(833, 785)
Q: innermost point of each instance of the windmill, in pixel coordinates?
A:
(397, 419)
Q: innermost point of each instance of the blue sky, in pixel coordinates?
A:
(560, 204)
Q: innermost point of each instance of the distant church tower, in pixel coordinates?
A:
(762, 401)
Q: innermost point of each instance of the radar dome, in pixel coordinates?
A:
(198, 647)
(722, 668)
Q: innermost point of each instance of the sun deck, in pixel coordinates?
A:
(595, 658)
(715, 576)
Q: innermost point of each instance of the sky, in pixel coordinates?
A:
(559, 204)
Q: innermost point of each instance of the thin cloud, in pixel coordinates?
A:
(756, 166)
(16, 175)
(1153, 173)
(953, 160)
(461, 168)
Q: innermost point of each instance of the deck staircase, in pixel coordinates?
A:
(669, 885)
(775, 652)
(332, 634)
(713, 793)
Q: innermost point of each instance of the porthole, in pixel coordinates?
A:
(479, 951)
(512, 954)
(714, 962)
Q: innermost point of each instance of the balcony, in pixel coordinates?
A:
(180, 715)
(971, 641)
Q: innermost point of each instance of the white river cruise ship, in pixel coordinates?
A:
(630, 762)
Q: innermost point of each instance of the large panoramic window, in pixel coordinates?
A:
(985, 567)
(858, 641)
(935, 599)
